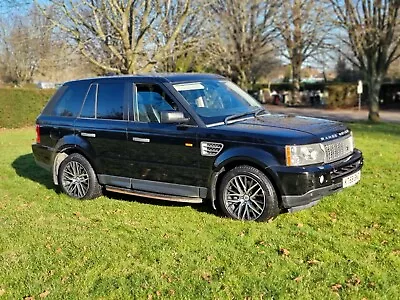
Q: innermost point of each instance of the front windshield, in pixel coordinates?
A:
(214, 100)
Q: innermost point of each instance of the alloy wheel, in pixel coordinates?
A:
(75, 179)
(244, 198)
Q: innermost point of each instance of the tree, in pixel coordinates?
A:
(188, 51)
(303, 30)
(31, 49)
(346, 74)
(394, 70)
(123, 36)
(25, 44)
(244, 38)
(372, 36)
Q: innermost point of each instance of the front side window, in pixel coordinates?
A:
(214, 100)
(110, 101)
(151, 101)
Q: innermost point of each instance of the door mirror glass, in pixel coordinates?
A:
(173, 117)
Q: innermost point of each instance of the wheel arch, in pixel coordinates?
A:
(259, 159)
(68, 146)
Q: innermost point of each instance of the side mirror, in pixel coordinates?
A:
(173, 117)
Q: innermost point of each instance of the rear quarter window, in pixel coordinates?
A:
(67, 102)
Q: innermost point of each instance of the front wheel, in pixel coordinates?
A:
(246, 193)
(78, 179)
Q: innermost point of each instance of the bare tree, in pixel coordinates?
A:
(25, 44)
(123, 36)
(31, 49)
(243, 37)
(394, 69)
(188, 46)
(303, 28)
(373, 38)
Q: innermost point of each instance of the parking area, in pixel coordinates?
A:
(345, 115)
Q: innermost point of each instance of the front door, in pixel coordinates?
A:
(161, 155)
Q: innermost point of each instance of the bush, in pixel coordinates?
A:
(20, 107)
(341, 95)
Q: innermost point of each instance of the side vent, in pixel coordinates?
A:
(210, 148)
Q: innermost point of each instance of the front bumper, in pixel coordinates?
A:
(303, 187)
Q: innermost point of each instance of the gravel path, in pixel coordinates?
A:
(345, 115)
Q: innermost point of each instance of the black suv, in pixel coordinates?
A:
(188, 138)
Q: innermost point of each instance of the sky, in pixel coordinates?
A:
(15, 6)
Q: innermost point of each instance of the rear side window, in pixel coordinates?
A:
(70, 102)
(88, 109)
(110, 101)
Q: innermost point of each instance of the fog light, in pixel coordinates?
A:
(321, 179)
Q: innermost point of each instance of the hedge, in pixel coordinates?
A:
(19, 107)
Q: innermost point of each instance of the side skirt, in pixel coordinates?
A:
(153, 195)
(154, 189)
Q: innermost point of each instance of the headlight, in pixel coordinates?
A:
(303, 155)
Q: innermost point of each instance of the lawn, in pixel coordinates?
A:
(118, 247)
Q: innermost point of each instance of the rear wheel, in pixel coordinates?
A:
(246, 193)
(78, 179)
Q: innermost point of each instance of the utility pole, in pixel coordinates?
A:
(359, 92)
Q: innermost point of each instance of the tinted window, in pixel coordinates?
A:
(70, 103)
(214, 100)
(110, 101)
(88, 109)
(49, 109)
(151, 100)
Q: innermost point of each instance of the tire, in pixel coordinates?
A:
(77, 178)
(258, 203)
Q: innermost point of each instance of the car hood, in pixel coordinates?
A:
(285, 129)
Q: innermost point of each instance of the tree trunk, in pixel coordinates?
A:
(242, 80)
(374, 87)
(296, 75)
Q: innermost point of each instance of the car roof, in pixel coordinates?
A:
(159, 77)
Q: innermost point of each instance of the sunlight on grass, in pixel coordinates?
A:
(122, 247)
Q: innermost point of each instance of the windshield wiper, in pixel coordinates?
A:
(259, 112)
(236, 116)
(256, 113)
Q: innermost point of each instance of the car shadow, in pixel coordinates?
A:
(25, 166)
(201, 207)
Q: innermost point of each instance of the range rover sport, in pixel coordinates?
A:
(190, 138)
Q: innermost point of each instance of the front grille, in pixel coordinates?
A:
(338, 149)
(210, 148)
(343, 171)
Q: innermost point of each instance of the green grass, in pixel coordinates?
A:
(19, 107)
(348, 246)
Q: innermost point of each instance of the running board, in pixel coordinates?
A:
(154, 195)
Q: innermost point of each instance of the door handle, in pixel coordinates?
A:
(87, 134)
(140, 140)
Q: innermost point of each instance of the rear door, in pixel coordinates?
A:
(102, 126)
